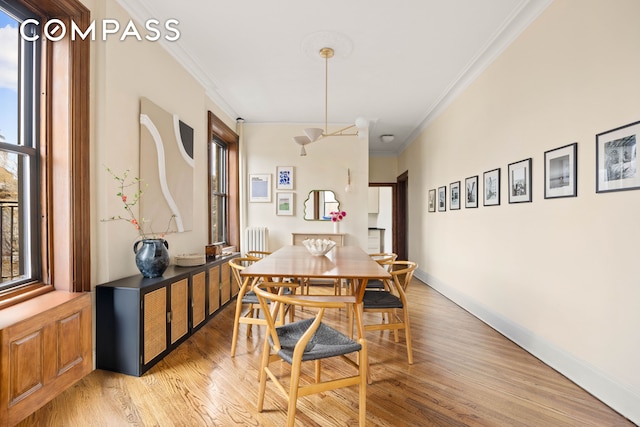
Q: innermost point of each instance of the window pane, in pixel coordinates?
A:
(218, 172)
(218, 167)
(13, 207)
(19, 182)
(9, 48)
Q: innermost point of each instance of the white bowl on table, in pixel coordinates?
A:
(318, 247)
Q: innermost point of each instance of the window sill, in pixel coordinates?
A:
(23, 294)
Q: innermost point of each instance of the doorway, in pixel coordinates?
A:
(382, 215)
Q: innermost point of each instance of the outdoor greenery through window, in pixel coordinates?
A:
(19, 179)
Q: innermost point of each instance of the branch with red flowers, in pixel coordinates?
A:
(133, 187)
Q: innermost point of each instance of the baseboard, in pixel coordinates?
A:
(619, 397)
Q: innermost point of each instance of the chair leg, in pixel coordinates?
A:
(293, 392)
(252, 313)
(364, 378)
(236, 325)
(407, 336)
(263, 375)
(318, 370)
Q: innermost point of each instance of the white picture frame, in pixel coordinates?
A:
(284, 178)
(260, 187)
(284, 203)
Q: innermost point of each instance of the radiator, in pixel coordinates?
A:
(257, 239)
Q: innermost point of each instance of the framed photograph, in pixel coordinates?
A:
(284, 203)
(432, 200)
(471, 192)
(454, 192)
(491, 195)
(616, 168)
(284, 176)
(520, 181)
(442, 199)
(260, 187)
(561, 172)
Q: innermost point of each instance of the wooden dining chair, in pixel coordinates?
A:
(304, 341)
(245, 297)
(384, 259)
(390, 301)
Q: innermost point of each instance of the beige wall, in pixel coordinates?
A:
(324, 168)
(383, 169)
(122, 72)
(556, 275)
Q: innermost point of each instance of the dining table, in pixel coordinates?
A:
(350, 263)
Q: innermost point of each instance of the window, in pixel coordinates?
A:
(19, 152)
(218, 157)
(44, 152)
(223, 184)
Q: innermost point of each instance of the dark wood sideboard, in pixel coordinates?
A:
(141, 320)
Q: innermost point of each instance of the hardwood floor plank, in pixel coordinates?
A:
(464, 374)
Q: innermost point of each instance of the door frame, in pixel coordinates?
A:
(400, 214)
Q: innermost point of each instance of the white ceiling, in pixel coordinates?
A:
(408, 58)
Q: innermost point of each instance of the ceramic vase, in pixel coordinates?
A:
(152, 256)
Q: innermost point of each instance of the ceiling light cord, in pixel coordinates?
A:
(315, 134)
(327, 53)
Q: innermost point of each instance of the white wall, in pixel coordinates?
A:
(324, 168)
(555, 275)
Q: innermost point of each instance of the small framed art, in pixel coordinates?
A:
(442, 199)
(471, 192)
(616, 168)
(284, 203)
(520, 181)
(284, 176)
(432, 200)
(491, 188)
(561, 172)
(454, 194)
(260, 187)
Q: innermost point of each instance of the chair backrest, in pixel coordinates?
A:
(271, 297)
(239, 264)
(402, 273)
(384, 258)
(257, 254)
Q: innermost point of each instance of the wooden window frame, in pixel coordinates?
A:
(64, 148)
(218, 129)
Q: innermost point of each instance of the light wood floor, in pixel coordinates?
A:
(464, 374)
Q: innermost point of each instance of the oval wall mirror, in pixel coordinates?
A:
(319, 204)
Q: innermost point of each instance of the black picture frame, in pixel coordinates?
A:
(454, 196)
(432, 200)
(616, 167)
(561, 172)
(471, 192)
(442, 199)
(491, 188)
(520, 181)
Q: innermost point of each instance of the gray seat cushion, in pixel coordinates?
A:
(375, 284)
(251, 297)
(380, 299)
(326, 342)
